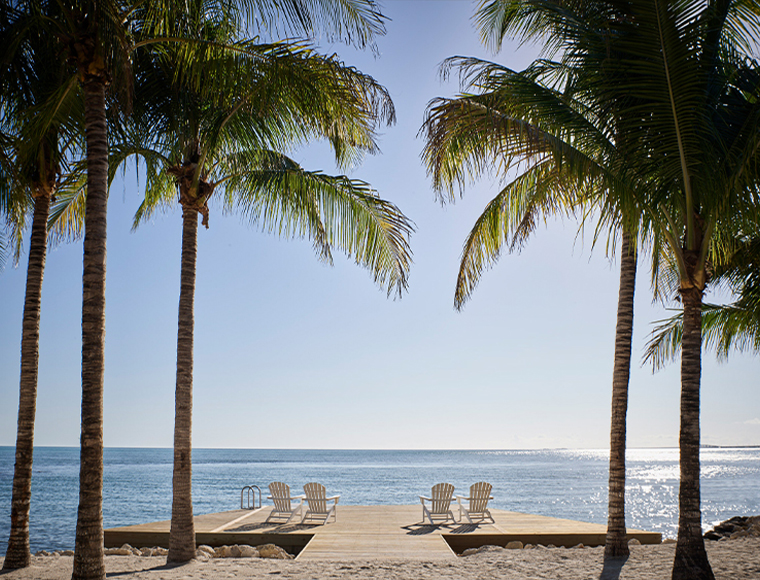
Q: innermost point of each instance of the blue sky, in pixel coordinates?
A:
(292, 353)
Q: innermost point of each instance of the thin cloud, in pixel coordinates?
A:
(755, 421)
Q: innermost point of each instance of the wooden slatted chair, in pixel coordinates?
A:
(440, 504)
(283, 508)
(480, 493)
(317, 500)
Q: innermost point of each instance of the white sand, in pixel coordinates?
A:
(731, 560)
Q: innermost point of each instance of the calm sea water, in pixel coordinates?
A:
(561, 483)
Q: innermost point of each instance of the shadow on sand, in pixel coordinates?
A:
(152, 569)
(612, 568)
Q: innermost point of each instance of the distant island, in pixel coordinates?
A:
(730, 446)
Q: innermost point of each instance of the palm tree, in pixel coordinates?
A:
(699, 131)
(220, 133)
(94, 37)
(40, 109)
(563, 135)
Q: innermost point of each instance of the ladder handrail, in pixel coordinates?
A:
(247, 505)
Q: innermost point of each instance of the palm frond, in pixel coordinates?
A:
(352, 21)
(332, 211)
(66, 220)
(510, 218)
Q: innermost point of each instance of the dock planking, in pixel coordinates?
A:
(375, 532)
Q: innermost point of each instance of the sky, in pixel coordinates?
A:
(293, 353)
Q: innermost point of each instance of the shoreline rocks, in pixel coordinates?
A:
(736, 527)
(204, 553)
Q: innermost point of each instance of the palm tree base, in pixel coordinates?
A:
(616, 548)
(692, 565)
(16, 561)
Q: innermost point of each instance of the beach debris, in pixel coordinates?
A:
(55, 553)
(481, 550)
(514, 545)
(204, 553)
(582, 547)
(245, 551)
(634, 542)
(669, 541)
(735, 527)
(125, 550)
(272, 551)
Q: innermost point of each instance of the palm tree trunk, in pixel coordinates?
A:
(17, 555)
(88, 549)
(182, 535)
(691, 561)
(616, 545)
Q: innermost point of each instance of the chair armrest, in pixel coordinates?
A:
(334, 498)
(423, 498)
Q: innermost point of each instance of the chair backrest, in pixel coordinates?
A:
(316, 496)
(280, 493)
(479, 494)
(441, 496)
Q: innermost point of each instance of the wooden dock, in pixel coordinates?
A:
(374, 532)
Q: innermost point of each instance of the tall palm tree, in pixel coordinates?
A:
(700, 134)
(222, 133)
(40, 107)
(563, 135)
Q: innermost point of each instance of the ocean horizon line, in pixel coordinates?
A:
(478, 450)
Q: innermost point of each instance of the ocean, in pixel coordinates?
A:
(564, 483)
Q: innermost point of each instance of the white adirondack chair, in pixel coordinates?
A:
(283, 508)
(440, 504)
(480, 493)
(317, 500)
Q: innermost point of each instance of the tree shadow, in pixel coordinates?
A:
(164, 566)
(612, 568)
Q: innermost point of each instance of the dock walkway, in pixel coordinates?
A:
(374, 532)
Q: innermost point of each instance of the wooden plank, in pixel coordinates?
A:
(372, 532)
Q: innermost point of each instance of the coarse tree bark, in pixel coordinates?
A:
(691, 561)
(17, 554)
(616, 545)
(88, 549)
(182, 534)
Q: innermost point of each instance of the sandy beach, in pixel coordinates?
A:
(737, 559)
